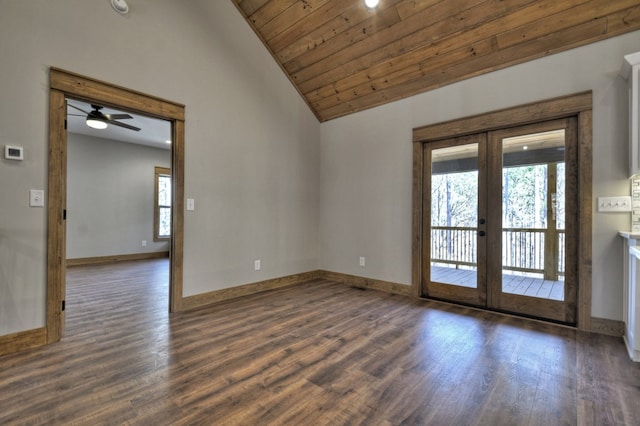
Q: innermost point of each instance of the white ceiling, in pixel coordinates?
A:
(153, 132)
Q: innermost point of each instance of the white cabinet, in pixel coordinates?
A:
(631, 72)
(631, 294)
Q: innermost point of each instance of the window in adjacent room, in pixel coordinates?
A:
(162, 213)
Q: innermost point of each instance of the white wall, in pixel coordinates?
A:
(254, 151)
(251, 142)
(110, 197)
(366, 163)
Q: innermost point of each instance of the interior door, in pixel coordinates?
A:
(500, 221)
(455, 214)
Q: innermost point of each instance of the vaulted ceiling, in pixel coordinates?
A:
(344, 58)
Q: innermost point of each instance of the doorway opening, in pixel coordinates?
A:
(63, 85)
(112, 221)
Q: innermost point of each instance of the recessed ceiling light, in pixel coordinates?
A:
(168, 142)
(120, 6)
(525, 147)
(371, 3)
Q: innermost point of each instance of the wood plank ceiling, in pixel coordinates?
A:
(344, 58)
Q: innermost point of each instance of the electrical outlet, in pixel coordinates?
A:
(256, 265)
(362, 260)
(144, 243)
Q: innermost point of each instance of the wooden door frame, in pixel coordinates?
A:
(577, 105)
(65, 84)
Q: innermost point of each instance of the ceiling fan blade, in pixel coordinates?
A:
(75, 107)
(118, 116)
(126, 126)
(77, 115)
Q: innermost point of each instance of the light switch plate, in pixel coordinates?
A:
(36, 198)
(191, 204)
(614, 204)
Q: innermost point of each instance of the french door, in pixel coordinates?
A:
(500, 220)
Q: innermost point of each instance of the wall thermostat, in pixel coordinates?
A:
(13, 152)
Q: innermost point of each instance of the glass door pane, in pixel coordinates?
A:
(533, 194)
(454, 215)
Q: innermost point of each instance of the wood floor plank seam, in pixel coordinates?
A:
(320, 352)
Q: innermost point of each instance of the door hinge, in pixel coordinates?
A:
(65, 124)
(64, 214)
(63, 305)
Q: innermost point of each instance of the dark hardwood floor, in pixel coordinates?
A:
(320, 353)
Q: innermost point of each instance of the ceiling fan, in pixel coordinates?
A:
(98, 120)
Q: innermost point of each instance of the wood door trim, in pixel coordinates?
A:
(577, 105)
(425, 259)
(65, 84)
(585, 215)
(90, 89)
(494, 222)
(561, 107)
(56, 202)
(416, 220)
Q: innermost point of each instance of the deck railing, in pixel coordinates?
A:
(523, 249)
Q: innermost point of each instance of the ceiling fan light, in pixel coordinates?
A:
(96, 124)
(371, 3)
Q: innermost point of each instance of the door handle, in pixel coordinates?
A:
(482, 233)
(482, 221)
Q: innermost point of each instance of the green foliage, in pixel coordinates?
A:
(454, 198)
(524, 197)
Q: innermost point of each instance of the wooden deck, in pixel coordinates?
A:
(514, 284)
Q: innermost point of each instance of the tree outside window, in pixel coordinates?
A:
(162, 216)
